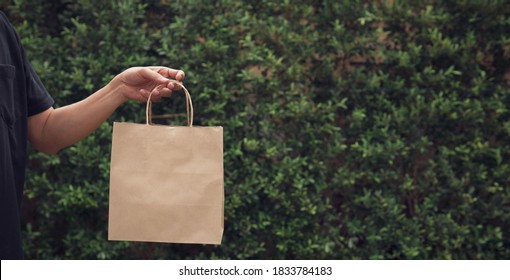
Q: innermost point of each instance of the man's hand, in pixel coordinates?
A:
(138, 82)
(54, 129)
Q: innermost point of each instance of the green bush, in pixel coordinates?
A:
(352, 129)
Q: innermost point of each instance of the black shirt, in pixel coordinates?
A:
(22, 94)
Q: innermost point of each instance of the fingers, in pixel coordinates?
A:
(144, 95)
(166, 92)
(169, 73)
(156, 95)
(160, 80)
(152, 75)
(180, 75)
(162, 85)
(173, 85)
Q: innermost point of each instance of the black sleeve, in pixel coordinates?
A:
(38, 98)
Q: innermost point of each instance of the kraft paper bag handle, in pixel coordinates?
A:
(189, 106)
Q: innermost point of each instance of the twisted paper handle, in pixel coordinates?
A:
(189, 106)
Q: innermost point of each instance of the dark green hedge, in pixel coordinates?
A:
(353, 129)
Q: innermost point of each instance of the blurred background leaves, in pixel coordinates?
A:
(353, 129)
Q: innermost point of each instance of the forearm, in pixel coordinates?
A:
(54, 129)
(67, 125)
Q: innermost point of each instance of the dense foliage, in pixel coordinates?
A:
(353, 129)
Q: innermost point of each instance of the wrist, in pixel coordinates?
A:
(116, 89)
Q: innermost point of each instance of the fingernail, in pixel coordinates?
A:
(171, 86)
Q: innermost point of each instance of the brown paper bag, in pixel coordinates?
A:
(166, 183)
